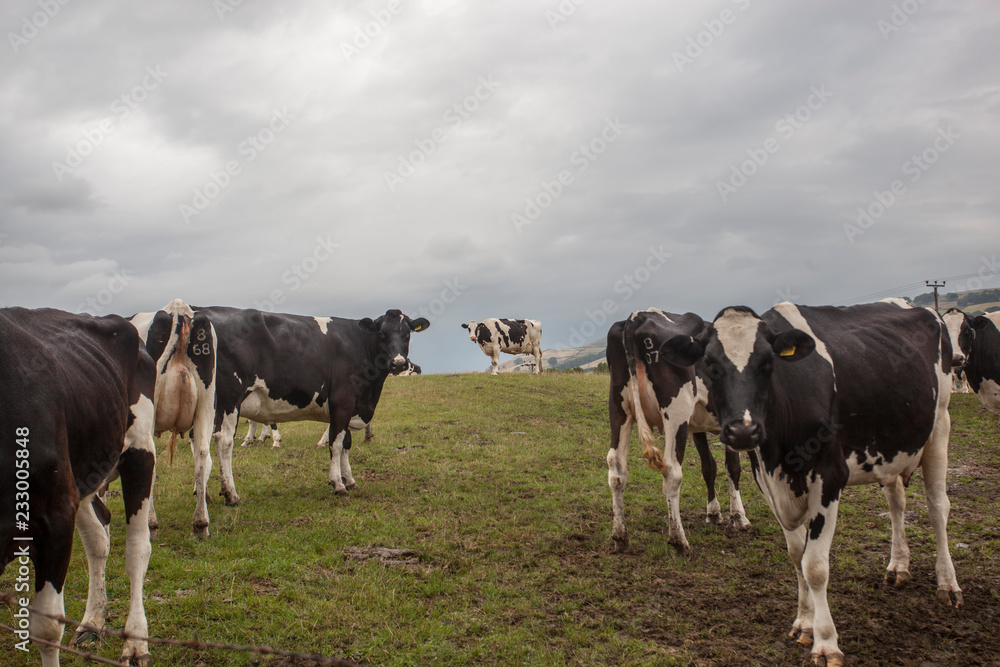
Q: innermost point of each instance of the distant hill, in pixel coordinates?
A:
(975, 302)
(588, 355)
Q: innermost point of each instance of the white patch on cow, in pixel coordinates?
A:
(747, 419)
(896, 301)
(791, 313)
(953, 323)
(357, 423)
(260, 407)
(398, 359)
(737, 332)
(882, 471)
(989, 395)
(702, 421)
(142, 322)
(49, 602)
(323, 322)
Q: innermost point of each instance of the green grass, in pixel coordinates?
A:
(501, 483)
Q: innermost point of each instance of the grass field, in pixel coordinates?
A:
(501, 484)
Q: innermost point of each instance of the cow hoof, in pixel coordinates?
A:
(200, 530)
(619, 545)
(739, 522)
(805, 637)
(275, 446)
(714, 518)
(86, 638)
(830, 660)
(950, 597)
(351, 486)
(136, 660)
(342, 491)
(231, 499)
(682, 548)
(897, 577)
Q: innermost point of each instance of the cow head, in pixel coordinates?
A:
(471, 326)
(739, 352)
(961, 333)
(393, 330)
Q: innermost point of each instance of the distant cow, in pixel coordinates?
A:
(274, 368)
(510, 336)
(829, 397)
(959, 324)
(675, 401)
(76, 404)
(183, 345)
(266, 431)
(983, 365)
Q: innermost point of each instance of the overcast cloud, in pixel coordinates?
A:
(563, 161)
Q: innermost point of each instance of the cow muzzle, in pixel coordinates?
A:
(742, 435)
(398, 363)
(958, 361)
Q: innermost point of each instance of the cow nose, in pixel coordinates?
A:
(957, 361)
(398, 362)
(741, 435)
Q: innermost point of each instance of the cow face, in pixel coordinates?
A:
(393, 331)
(739, 351)
(961, 333)
(471, 326)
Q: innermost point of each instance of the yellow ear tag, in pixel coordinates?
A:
(787, 352)
(418, 327)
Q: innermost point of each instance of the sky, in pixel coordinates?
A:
(569, 161)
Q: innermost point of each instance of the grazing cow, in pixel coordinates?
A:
(829, 397)
(274, 368)
(983, 365)
(511, 336)
(184, 346)
(650, 392)
(959, 325)
(76, 404)
(266, 431)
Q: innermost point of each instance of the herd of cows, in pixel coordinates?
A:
(819, 397)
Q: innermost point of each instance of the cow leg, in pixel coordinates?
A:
(224, 447)
(154, 524)
(92, 521)
(51, 564)
(345, 463)
(621, 432)
(737, 515)
(934, 464)
(324, 440)
(201, 449)
(495, 360)
(275, 437)
(898, 572)
(251, 431)
(336, 458)
(802, 626)
(538, 361)
(672, 477)
(816, 571)
(709, 468)
(368, 432)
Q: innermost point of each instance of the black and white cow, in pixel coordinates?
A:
(829, 397)
(266, 431)
(76, 404)
(982, 367)
(510, 336)
(184, 346)
(275, 367)
(958, 322)
(652, 393)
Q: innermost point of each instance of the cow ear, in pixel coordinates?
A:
(465, 325)
(980, 322)
(682, 351)
(793, 345)
(368, 324)
(419, 324)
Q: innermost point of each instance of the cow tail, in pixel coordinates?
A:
(650, 450)
(171, 447)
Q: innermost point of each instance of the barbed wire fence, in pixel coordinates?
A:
(192, 644)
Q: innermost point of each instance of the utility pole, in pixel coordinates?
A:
(935, 285)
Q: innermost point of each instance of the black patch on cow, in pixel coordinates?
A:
(517, 332)
(984, 353)
(816, 526)
(201, 348)
(101, 511)
(158, 334)
(136, 467)
(483, 335)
